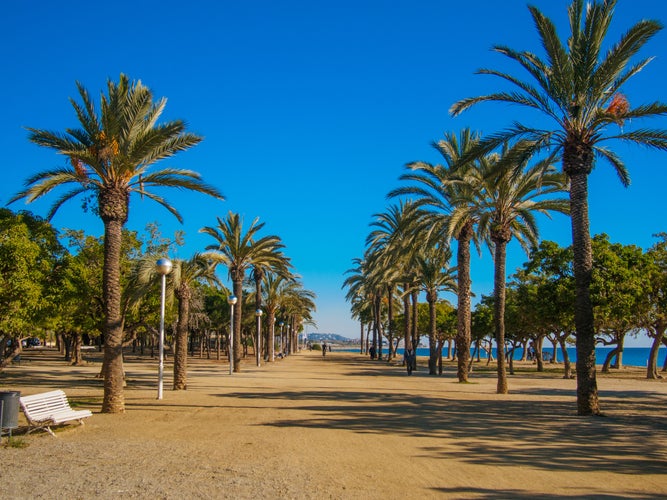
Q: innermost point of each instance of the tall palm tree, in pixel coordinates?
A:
(512, 194)
(577, 88)
(110, 157)
(239, 252)
(439, 189)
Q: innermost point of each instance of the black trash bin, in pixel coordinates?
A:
(9, 410)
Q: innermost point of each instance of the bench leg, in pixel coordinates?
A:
(41, 427)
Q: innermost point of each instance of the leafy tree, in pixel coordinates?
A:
(655, 308)
(109, 158)
(23, 273)
(545, 295)
(618, 285)
(577, 88)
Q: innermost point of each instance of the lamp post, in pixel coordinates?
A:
(286, 347)
(163, 267)
(258, 344)
(231, 300)
(271, 354)
(281, 324)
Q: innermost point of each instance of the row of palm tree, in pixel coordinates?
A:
(491, 200)
(483, 190)
(109, 158)
(279, 289)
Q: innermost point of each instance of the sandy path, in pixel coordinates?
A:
(339, 427)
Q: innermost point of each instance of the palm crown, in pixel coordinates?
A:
(114, 149)
(577, 88)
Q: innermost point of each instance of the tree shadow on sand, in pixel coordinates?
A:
(543, 432)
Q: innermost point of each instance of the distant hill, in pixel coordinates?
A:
(329, 337)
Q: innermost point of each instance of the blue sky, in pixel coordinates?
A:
(309, 110)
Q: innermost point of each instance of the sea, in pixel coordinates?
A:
(632, 356)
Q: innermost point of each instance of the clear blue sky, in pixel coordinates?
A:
(310, 110)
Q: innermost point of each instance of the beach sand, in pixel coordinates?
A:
(339, 427)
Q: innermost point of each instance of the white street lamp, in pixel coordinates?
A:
(163, 267)
(231, 300)
(272, 342)
(281, 324)
(258, 344)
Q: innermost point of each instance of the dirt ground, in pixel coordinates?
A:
(339, 427)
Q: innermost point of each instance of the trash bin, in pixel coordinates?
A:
(9, 410)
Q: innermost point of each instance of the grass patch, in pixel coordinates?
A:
(15, 442)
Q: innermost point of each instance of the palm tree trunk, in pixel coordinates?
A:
(272, 336)
(377, 337)
(114, 398)
(463, 328)
(499, 310)
(390, 320)
(361, 338)
(414, 326)
(406, 315)
(432, 341)
(587, 389)
(181, 341)
(236, 348)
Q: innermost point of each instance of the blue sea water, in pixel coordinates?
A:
(632, 356)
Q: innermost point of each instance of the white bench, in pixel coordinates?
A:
(49, 408)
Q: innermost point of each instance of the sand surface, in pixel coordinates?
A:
(339, 427)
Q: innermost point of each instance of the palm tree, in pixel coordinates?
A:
(434, 276)
(240, 251)
(440, 189)
(511, 194)
(297, 305)
(110, 157)
(359, 295)
(393, 244)
(274, 290)
(577, 88)
(182, 279)
(366, 289)
(259, 271)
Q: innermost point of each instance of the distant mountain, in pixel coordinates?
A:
(328, 337)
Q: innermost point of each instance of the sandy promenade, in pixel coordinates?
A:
(339, 427)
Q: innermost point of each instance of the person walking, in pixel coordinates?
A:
(409, 359)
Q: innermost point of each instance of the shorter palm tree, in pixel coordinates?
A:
(511, 195)
(434, 275)
(181, 283)
(240, 251)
